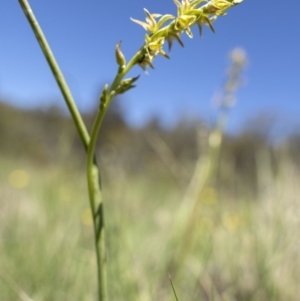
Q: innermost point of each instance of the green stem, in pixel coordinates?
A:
(84, 135)
(96, 203)
(125, 70)
(95, 191)
(93, 176)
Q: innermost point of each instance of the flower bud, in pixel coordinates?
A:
(126, 85)
(103, 97)
(120, 56)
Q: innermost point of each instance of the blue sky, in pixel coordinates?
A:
(83, 35)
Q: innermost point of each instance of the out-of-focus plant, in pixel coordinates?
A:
(160, 29)
(206, 166)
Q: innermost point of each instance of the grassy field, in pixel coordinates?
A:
(240, 248)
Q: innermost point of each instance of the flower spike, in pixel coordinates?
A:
(189, 13)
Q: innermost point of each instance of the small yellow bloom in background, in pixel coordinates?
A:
(86, 217)
(232, 222)
(18, 178)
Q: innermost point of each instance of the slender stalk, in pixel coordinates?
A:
(94, 185)
(95, 192)
(84, 135)
(96, 203)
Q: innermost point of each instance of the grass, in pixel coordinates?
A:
(243, 249)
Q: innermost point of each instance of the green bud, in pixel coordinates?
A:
(103, 96)
(119, 55)
(126, 85)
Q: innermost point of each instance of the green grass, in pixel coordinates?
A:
(242, 249)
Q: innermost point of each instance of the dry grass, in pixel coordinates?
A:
(242, 249)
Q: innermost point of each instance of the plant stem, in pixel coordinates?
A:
(96, 203)
(95, 191)
(84, 135)
(124, 71)
(93, 176)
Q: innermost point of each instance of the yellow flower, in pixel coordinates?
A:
(151, 25)
(189, 13)
(184, 22)
(186, 7)
(155, 47)
(182, 7)
(219, 7)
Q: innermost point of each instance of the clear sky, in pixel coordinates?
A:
(83, 35)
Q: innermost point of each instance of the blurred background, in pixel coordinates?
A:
(199, 163)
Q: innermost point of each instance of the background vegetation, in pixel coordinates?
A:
(245, 241)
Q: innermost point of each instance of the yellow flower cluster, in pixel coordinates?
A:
(189, 13)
